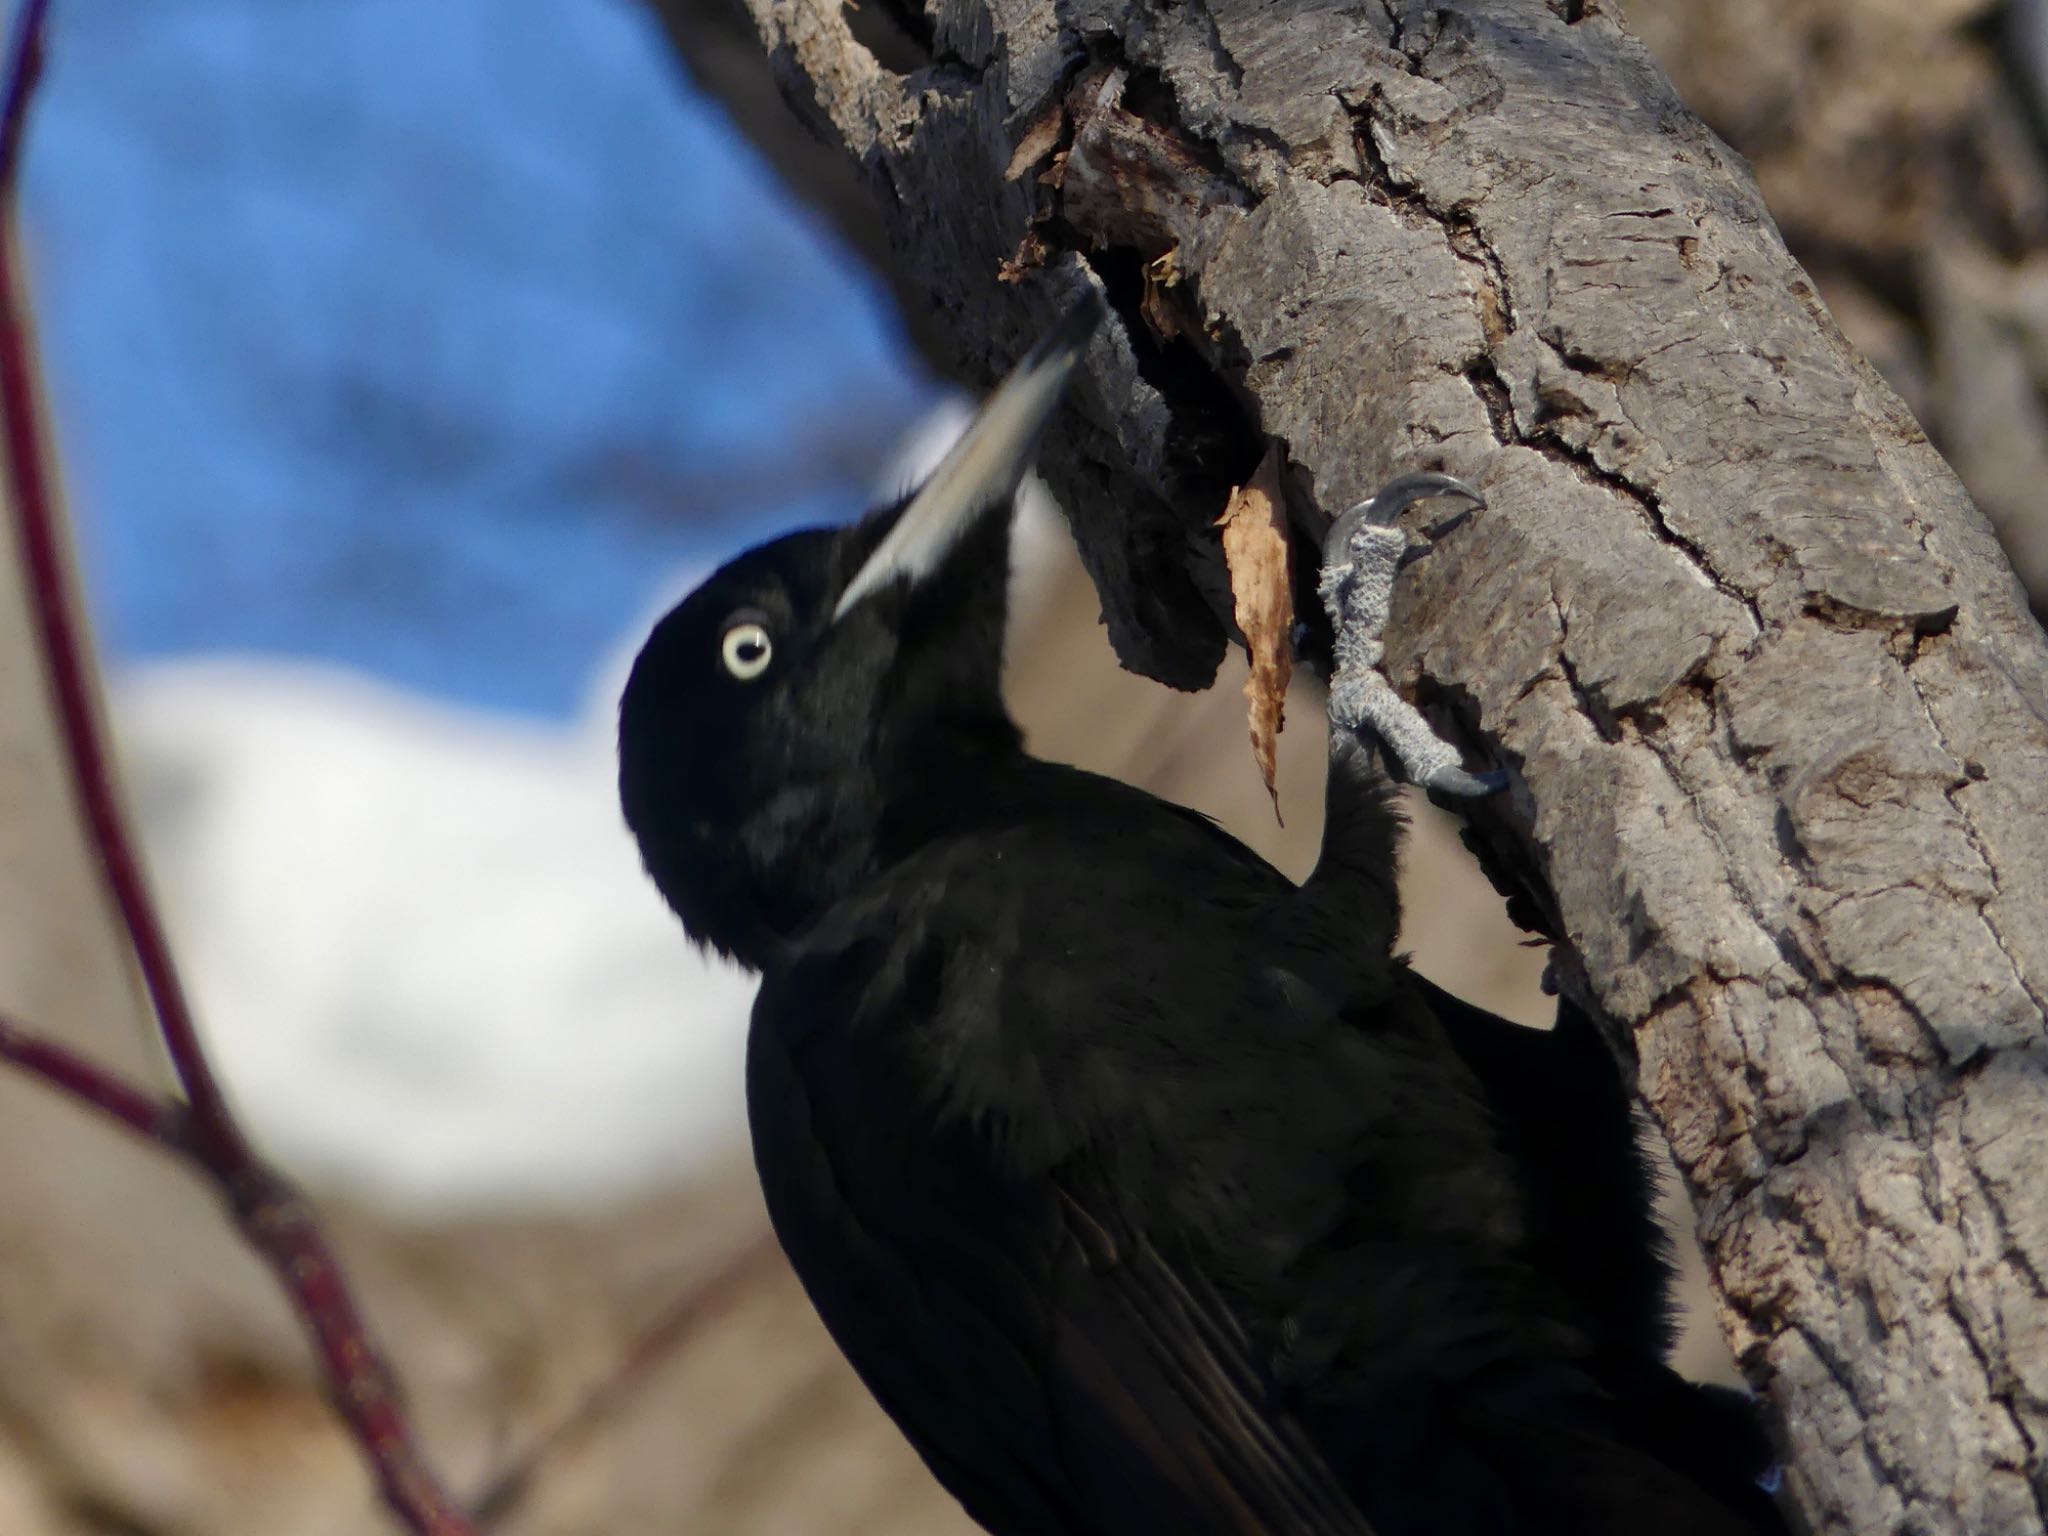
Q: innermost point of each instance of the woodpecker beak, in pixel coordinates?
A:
(984, 467)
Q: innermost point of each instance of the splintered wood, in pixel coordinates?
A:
(1254, 524)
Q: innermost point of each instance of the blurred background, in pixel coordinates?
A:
(405, 362)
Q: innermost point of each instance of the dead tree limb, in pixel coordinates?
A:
(1776, 710)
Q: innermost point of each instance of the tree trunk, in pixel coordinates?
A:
(1904, 153)
(1777, 711)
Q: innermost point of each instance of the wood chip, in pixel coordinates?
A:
(1039, 139)
(1254, 527)
(1029, 256)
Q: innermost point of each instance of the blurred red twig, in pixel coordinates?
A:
(167, 1124)
(272, 1216)
(703, 1303)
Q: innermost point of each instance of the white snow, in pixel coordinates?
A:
(424, 953)
(426, 957)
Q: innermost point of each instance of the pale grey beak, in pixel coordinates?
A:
(984, 466)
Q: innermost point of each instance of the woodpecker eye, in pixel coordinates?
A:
(746, 649)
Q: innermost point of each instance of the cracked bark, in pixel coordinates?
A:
(1776, 709)
(1904, 153)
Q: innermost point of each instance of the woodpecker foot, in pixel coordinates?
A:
(1360, 556)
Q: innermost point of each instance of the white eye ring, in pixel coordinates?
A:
(746, 650)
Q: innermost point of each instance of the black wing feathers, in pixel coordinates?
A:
(1129, 1238)
(1564, 1115)
(1115, 1398)
(880, 1303)
(1139, 1319)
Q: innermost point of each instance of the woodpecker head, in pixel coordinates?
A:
(780, 713)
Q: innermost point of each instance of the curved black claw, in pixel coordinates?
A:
(1468, 786)
(1389, 502)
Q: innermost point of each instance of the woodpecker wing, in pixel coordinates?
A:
(1004, 1099)
(1110, 1394)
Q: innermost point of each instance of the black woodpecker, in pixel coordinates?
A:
(1150, 1194)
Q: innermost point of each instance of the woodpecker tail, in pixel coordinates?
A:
(1716, 1437)
(1575, 1481)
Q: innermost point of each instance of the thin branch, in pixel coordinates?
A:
(162, 1121)
(64, 651)
(272, 1215)
(24, 69)
(703, 1303)
(280, 1224)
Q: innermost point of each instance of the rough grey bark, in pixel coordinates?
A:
(1776, 710)
(723, 52)
(1903, 149)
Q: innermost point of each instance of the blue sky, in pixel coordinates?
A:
(434, 338)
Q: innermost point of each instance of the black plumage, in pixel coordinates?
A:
(1146, 1191)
